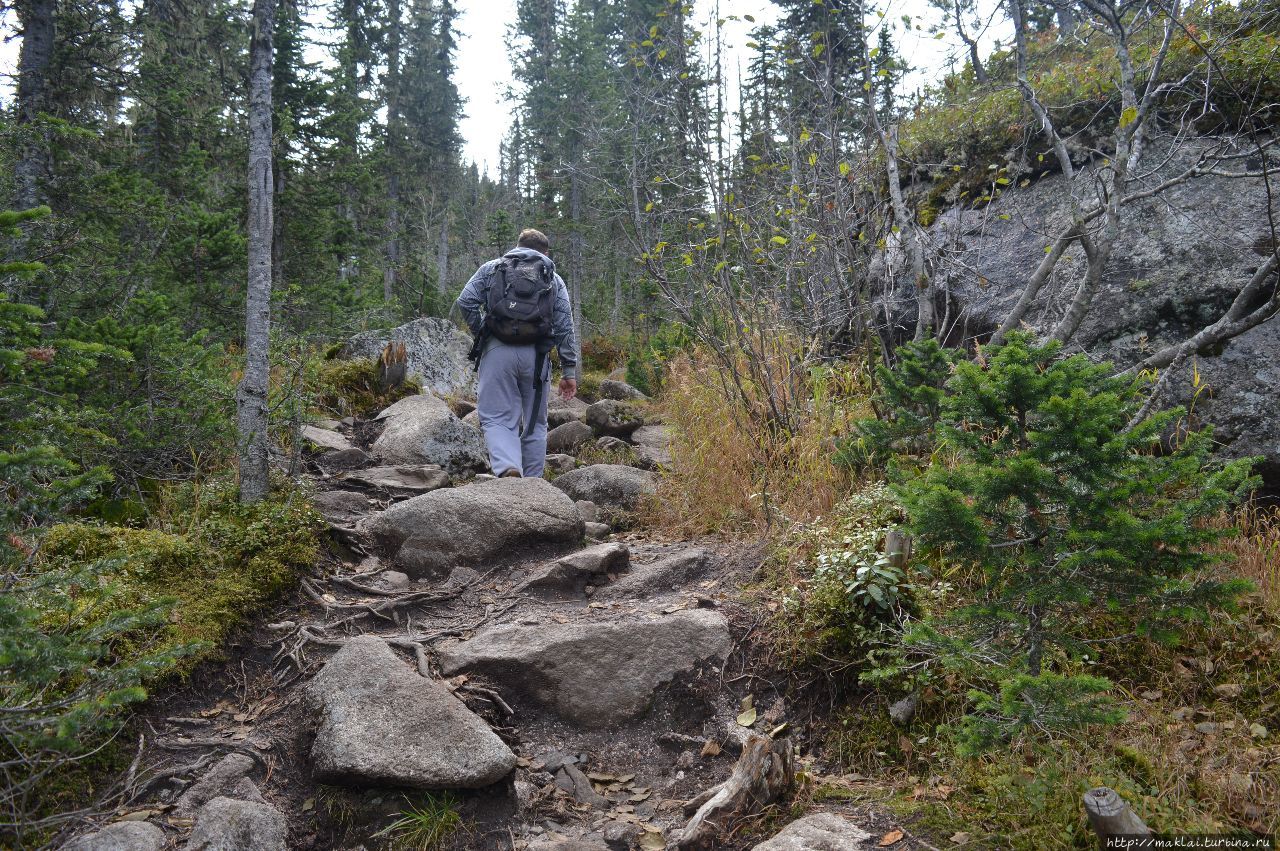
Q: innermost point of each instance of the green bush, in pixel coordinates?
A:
(648, 361)
(350, 387)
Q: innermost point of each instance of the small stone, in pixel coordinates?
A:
(1258, 731)
(559, 463)
(568, 437)
(1208, 728)
(597, 531)
(1228, 690)
(588, 510)
(612, 444)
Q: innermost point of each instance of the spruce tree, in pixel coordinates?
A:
(1062, 514)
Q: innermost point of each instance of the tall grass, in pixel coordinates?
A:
(1255, 549)
(737, 466)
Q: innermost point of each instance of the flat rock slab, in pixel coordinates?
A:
(228, 824)
(612, 487)
(674, 572)
(325, 439)
(476, 524)
(652, 446)
(381, 723)
(571, 574)
(818, 832)
(342, 508)
(400, 480)
(121, 836)
(593, 674)
(423, 430)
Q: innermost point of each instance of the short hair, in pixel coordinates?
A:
(535, 239)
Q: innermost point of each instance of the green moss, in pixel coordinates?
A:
(218, 562)
(350, 388)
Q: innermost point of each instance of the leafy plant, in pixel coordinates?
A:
(1062, 513)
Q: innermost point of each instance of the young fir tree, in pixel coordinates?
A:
(1064, 514)
(908, 404)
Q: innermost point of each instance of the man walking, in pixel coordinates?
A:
(517, 308)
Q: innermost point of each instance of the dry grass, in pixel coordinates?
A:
(1255, 549)
(733, 469)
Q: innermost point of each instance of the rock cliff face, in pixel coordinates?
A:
(1180, 260)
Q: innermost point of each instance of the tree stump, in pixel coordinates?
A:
(897, 547)
(1110, 815)
(393, 366)
(764, 771)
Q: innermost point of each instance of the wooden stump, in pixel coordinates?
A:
(393, 366)
(764, 771)
(1109, 815)
(897, 547)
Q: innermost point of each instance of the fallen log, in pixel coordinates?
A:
(764, 771)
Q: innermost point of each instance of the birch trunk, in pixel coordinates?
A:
(251, 395)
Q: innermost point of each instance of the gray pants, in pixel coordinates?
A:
(505, 404)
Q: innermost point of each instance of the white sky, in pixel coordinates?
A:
(484, 72)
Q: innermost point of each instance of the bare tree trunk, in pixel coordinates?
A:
(391, 270)
(442, 256)
(37, 17)
(575, 249)
(251, 395)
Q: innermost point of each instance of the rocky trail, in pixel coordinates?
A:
(568, 684)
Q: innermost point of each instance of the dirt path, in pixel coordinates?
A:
(463, 645)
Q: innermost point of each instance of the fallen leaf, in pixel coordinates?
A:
(639, 796)
(711, 748)
(652, 841)
(747, 702)
(893, 837)
(778, 730)
(600, 777)
(748, 717)
(559, 618)
(241, 716)
(626, 778)
(308, 805)
(960, 838)
(209, 713)
(329, 598)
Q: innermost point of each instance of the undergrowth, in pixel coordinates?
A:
(728, 475)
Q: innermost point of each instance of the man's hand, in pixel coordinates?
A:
(568, 388)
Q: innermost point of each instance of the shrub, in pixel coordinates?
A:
(350, 387)
(1063, 513)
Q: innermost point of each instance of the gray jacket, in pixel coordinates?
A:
(475, 295)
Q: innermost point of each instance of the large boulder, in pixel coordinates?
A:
(382, 724)
(612, 388)
(423, 430)
(614, 418)
(593, 674)
(818, 832)
(120, 836)
(436, 349)
(1180, 259)
(568, 437)
(476, 524)
(614, 488)
(231, 824)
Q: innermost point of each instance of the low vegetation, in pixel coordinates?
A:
(1138, 620)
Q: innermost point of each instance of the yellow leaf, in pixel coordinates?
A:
(1129, 116)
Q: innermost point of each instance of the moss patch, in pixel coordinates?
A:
(219, 562)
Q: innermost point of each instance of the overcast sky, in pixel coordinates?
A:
(484, 72)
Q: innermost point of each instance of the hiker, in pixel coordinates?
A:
(517, 307)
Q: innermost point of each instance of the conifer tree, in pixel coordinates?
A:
(1062, 513)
